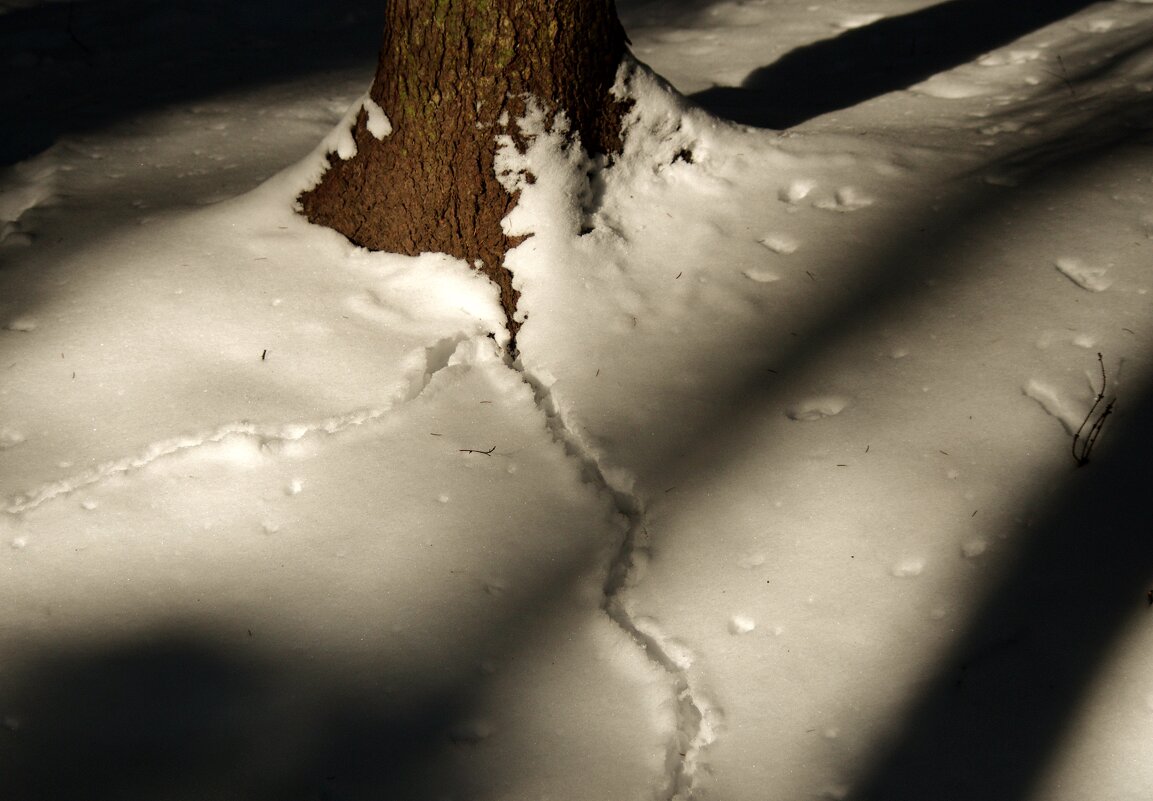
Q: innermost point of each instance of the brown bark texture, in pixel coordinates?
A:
(451, 77)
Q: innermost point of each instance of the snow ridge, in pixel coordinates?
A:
(697, 719)
(268, 436)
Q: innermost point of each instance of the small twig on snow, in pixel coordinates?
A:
(473, 450)
(1090, 426)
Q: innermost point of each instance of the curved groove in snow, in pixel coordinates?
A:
(265, 433)
(697, 719)
(430, 360)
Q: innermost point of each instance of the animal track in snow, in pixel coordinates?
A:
(949, 87)
(751, 560)
(697, 719)
(1081, 340)
(797, 190)
(24, 325)
(471, 732)
(971, 549)
(1054, 405)
(741, 624)
(12, 234)
(762, 275)
(33, 186)
(909, 567)
(847, 198)
(10, 438)
(858, 21)
(817, 407)
(1009, 126)
(1102, 25)
(1003, 58)
(1094, 279)
(779, 243)
(265, 434)
(1001, 179)
(271, 437)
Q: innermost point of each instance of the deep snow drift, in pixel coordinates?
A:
(779, 501)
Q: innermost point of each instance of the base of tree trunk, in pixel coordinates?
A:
(453, 75)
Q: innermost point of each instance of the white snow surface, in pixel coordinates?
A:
(779, 499)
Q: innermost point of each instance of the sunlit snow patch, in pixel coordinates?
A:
(950, 87)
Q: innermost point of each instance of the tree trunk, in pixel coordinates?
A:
(452, 76)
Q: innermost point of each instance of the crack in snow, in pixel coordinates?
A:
(431, 360)
(696, 718)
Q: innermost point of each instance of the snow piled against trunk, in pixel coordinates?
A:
(778, 500)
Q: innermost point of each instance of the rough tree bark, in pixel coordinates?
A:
(452, 76)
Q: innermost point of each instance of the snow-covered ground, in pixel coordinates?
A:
(780, 500)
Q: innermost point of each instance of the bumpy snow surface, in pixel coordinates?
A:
(781, 499)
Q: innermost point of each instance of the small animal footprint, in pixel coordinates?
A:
(847, 198)
(817, 408)
(1094, 279)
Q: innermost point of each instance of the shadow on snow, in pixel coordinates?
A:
(890, 54)
(988, 723)
(180, 714)
(79, 65)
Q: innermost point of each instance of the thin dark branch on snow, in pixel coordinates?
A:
(1093, 423)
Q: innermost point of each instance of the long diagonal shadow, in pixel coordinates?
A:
(191, 708)
(862, 63)
(988, 722)
(178, 713)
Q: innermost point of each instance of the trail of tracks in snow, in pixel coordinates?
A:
(265, 433)
(697, 719)
(436, 358)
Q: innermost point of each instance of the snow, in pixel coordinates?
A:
(378, 123)
(777, 501)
